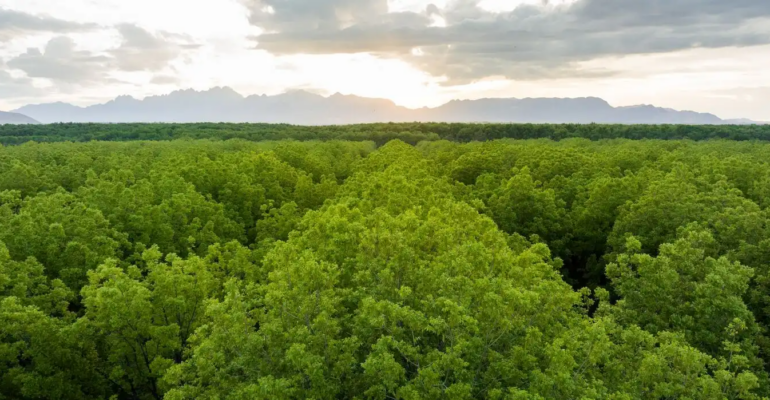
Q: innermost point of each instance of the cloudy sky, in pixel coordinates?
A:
(702, 55)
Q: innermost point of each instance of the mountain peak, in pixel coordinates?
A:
(15, 118)
(299, 93)
(218, 91)
(124, 99)
(224, 91)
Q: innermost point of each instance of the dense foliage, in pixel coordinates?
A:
(379, 133)
(535, 269)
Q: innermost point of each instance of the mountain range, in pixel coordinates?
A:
(223, 104)
(15, 118)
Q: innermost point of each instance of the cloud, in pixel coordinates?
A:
(528, 42)
(61, 62)
(16, 23)
(11, 87)
(328, 15)
(164, 80)
(144, 51)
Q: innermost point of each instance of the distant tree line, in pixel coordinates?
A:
(381, 133)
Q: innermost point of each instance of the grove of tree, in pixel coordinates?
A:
(583, 268)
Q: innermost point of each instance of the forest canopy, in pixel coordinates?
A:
(370, 268)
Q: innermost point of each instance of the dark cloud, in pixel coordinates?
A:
(144, 51)
(527, 43)
(15, 23)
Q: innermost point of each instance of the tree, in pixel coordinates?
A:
(684, 290)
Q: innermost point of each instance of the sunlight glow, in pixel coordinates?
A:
(437, 21)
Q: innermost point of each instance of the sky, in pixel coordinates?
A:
(700, 55)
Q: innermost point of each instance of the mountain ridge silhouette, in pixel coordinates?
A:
(299, 107)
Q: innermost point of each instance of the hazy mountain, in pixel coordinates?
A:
(744, 121)
(15, 118)
(304, 108)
